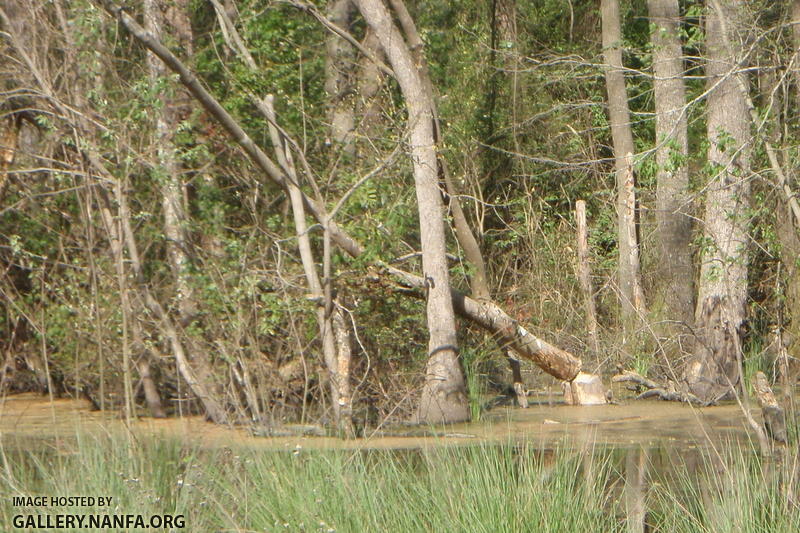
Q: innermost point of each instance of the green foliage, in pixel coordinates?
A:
(288, 48)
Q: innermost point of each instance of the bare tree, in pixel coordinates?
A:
(630, 285)
(674, 271)
(722, 292)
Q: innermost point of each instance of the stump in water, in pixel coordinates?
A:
(585, 389)
(771, 411)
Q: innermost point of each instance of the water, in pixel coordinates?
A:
(642, 424)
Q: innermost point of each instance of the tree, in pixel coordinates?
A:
(714, 369)
(629, 276)
(168, 172)
(554, 361)
(444, 397)
(674, 269)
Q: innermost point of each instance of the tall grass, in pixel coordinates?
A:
(481, 488)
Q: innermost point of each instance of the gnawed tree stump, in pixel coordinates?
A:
(771, 411)
(585, 389)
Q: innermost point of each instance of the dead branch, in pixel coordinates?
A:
(668, 392)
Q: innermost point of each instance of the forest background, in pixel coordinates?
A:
(155, 257)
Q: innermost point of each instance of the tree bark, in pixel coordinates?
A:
(788, 227)
(370, 80)
(9, 133)
(339, 64)
(771, 411)
(629, 277)
(713, 370)
(674, 271)
(585, 275)
(796, 43)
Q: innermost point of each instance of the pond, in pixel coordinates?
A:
(647, 423)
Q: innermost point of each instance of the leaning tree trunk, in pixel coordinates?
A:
(713, 370)
(630, 285)
(674, 271)
(444, 396)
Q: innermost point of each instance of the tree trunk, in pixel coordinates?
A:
(444, 396)
(196, 373)
(479, 283)
(151, 395)
(334, 334)
(713, 370)
(370, 81)
(796, 42)
(772, 413)
(630, 285)
(173, 194)
(585, 276)
(168, 172)
(339, 65)
(788, 214)
(674, 272)
(9, 133)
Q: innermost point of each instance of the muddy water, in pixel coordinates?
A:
(632, 425)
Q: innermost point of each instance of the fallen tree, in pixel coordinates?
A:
(556, 362)
(668, 392)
